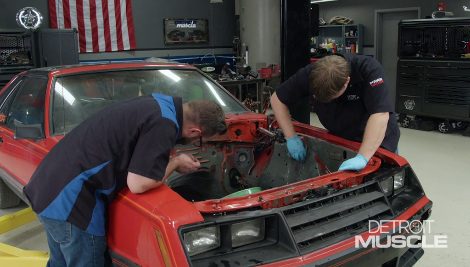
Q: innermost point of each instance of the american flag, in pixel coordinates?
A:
(103, 25)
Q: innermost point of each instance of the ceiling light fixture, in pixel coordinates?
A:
(321, 1)
(170, 74)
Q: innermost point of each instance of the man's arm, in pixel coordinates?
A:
(374, 134)
(373, 137)
(283, 117)
(289, 93)
(139, 184)
(377, 102)
(183, 163)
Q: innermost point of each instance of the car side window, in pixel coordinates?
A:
(27, 104)
(7, 97)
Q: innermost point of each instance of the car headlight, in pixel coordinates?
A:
(247, 232)
(393, 183)
(387, 186)
(202, 240)
(399, 180)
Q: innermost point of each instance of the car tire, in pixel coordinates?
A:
(8, 199)
(444, 127)
(405, 122)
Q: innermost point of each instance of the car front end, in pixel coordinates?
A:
(331, 219)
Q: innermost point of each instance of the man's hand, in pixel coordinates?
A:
(354, 164)
(296, 148)
(186, 163)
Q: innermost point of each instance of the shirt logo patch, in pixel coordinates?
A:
(376, 82)
(352, 97)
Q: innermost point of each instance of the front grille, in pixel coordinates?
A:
(318, 223)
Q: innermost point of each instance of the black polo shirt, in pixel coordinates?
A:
(346, 116)
(86, 169)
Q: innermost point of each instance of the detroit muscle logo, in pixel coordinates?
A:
(376, 82)
(401, 234)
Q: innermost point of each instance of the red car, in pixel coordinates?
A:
(249, 204)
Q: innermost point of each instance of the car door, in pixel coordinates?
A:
(23, 104)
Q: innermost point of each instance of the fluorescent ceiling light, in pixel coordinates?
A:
(63, 92)
(214, 92)
(170, 74)
(321, 1)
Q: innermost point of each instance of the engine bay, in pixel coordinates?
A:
(258, 159)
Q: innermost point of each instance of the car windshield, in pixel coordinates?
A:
(77, 97)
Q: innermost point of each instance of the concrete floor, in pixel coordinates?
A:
(442, 163)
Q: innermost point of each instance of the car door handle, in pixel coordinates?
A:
(1, 139)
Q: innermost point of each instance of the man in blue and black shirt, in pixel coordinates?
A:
(125, 144)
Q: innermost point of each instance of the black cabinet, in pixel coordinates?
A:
(434, 88)
(433, 75)
(56, 47)
(23, 50)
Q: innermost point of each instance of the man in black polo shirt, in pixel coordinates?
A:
(125, 144)
(351, 99)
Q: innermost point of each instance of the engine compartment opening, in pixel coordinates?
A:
(228, 166)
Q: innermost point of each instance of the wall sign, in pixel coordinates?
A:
(186, 31)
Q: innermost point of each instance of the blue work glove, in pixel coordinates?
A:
(354, 164)
(296, 148)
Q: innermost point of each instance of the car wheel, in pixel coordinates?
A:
(459, 125)
(444, 127)
(8, 199)
(405, 122)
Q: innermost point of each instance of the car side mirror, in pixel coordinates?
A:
(28, 131)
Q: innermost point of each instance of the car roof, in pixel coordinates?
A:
(79, 68)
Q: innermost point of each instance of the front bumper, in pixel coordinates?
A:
(386, 257)
(322, 231)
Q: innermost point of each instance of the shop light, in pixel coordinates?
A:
(170, 74)
(321, 1)
(63, 92)
(214, 92)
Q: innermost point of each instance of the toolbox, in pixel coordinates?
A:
(21, 50)
(433, 75)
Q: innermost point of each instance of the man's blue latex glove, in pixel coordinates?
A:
(354, 164)
(296, 148)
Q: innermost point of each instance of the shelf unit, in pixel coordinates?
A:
(22, 50)
(343, 36)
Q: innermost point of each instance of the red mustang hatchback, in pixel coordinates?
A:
(248, 205)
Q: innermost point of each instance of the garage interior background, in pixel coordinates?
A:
(362, 12)
(148, 20)
(222, 22)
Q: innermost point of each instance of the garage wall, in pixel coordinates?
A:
(363, 11)
(149, 15)
(148, 22)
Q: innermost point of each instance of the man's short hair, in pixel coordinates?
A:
(208, 115)
(328, 76)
